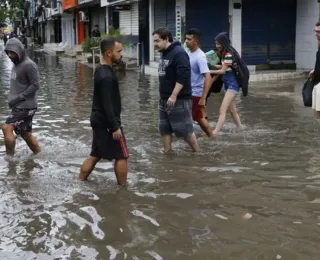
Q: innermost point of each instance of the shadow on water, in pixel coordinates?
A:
(181, 206)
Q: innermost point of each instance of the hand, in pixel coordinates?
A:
(171, 101)
(311, 74)
(117, 134)
(202, 102)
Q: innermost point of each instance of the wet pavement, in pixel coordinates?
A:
(181, 206)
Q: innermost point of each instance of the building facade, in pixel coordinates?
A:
(264, 33)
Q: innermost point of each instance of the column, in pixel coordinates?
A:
(235, 22)
(151, 28)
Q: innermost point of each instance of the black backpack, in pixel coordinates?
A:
(217, 85)
(240, 69)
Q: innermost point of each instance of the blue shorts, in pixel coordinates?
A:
(230, 82)
(177, 119)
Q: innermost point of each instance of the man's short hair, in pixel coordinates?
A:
(318, 23)
(107, 44)
(164, 33)
(195, 32)
(96, 25)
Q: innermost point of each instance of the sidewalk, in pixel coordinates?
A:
(255, 76)
(55, 49)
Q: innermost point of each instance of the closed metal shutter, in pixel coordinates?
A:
(125, 22)
(271, 37)
(135, 19)
(211, 20)
(165, 15)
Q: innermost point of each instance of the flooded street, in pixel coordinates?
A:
(181, 206)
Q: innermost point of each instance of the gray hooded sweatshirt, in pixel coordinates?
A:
(25, 79)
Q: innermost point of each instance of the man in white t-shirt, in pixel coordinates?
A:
(200, 79)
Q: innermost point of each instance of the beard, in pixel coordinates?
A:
(15, 60)
(116, 61)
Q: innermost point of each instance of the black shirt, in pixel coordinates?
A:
(316, 74)
(174, 67)
(96, 33)
(106, 105)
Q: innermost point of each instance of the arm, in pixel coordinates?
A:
(217, 66)
(33, 81)
(177, 90)
(214, 78)
(182, 71)
(220, 71)
(105, 86)
(207, 85)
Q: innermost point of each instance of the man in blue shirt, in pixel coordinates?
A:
(200, 79)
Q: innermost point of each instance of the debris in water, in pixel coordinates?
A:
(247, 216)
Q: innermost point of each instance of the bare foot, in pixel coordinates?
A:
(214, 134)
(82, 178)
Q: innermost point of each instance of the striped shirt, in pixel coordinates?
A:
(227, 61)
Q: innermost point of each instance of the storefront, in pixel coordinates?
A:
(68, 33)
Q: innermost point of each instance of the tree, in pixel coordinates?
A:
(9, 9)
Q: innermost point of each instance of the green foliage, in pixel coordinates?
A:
(114, 33)
(90, 43)
(9, 9)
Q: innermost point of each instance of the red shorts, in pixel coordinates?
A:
(197, 109)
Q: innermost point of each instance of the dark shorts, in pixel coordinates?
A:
(105, 147)
(21, 119)
(197, 113)
(177, 119)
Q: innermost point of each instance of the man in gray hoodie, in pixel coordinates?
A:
(24, 84)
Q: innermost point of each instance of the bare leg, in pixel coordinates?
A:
(167, 143)
(205, 126)
(31, 142)
(9, 139)
(227, 100)
(121, 171)
(192, 141)
(87, 167)
(234, 113)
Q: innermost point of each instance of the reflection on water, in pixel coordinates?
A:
(181, 206)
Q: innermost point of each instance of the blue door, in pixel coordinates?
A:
(165, 14)
(268, 31)
(210, 17)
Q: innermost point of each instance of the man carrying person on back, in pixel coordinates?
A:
(175, 105)
(108, 138)
(200, 79)
(24, 84)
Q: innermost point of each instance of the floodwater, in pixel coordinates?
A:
(181, 206)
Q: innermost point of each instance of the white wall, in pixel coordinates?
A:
(49, 31)
(306, 43)
(67, 30)
(235, 19)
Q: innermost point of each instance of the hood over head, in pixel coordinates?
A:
(16, 46)
(224, 40)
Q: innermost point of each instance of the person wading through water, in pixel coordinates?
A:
(24, 84)
(108, 137)
(231, 85)
(200, 79)
(175, 104)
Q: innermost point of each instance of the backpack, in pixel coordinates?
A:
(240, 69)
